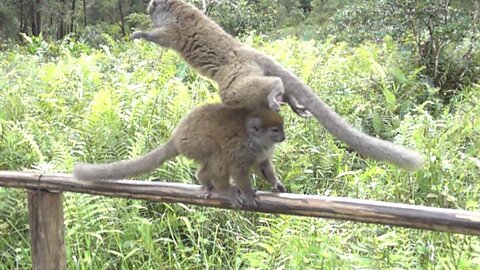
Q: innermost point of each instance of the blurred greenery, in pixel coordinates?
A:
(95, 96)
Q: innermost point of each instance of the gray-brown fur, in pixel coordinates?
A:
(225, 142)
(249, 78)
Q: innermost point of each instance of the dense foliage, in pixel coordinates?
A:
(97, 97)
(442, 35)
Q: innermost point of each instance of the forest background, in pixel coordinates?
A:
(74, 87)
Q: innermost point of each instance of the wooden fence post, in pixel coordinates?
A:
(46, 230)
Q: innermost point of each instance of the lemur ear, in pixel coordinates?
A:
(156, 3)
(253, 124)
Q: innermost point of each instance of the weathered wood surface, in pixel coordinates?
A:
(421, 217)
(46, 230)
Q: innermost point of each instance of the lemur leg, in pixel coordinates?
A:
(296, 106)
(241, 177)
(266, 171)
(253, 92)
(205, 179)
(216, 179)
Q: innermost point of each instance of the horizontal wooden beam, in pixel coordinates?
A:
(411, 216)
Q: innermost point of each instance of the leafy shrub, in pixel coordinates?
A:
(443, 35)
(138, 21)
(243, 16)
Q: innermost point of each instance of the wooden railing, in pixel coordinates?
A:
(45, 206)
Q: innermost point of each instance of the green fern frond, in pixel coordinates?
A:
(26, 138)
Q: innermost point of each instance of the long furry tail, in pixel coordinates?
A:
(365, 145)
(125, 168)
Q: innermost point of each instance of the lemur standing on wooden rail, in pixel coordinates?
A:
(226, 142)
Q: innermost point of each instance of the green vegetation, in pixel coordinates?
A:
(97, 97)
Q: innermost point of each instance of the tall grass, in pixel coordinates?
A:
(63, 103)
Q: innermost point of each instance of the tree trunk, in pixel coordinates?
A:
(20, 16)
(84, 13)
(122, 20)
(61, 30)
(61, 23)
(36, 17)
(72, 21)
